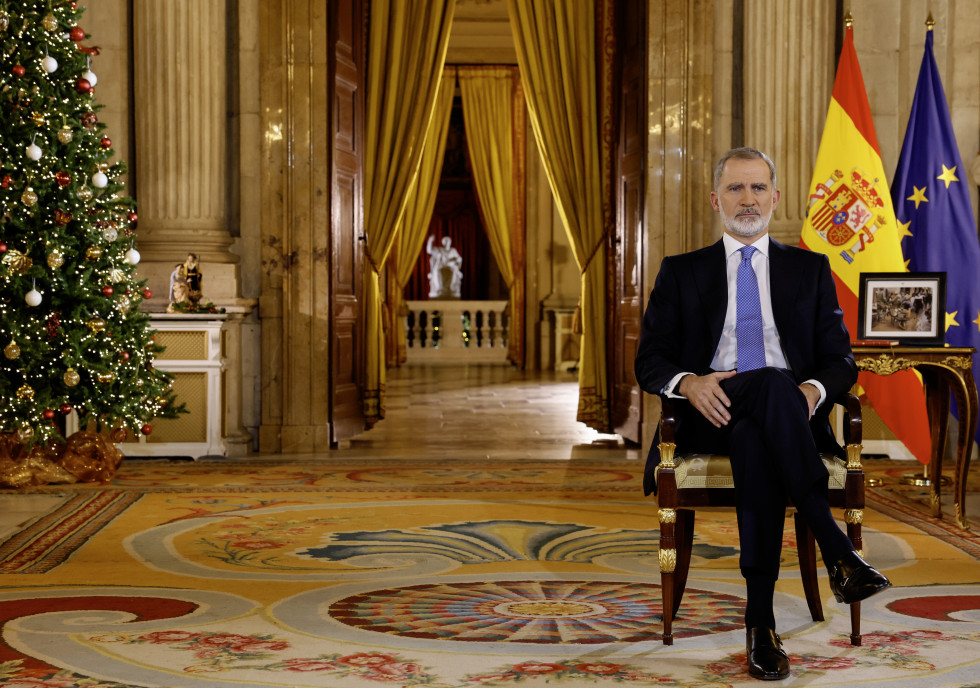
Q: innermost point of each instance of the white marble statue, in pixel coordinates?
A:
(445, 274)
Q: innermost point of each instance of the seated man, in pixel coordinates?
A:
(749, 331)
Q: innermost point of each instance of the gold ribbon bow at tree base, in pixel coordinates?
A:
(85, 457)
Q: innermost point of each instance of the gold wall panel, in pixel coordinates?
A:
(183, 345)
(191, 389)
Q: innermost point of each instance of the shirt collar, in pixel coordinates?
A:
(732, 244)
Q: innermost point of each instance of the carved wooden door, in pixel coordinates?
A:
(627, 254)
(345, 117)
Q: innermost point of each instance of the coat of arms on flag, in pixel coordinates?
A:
(845, 211)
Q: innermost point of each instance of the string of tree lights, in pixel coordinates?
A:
(71, 331)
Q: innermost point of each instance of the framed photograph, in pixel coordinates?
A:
(907, 307)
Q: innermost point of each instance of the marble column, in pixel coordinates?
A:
(181, 83)
(788, 76)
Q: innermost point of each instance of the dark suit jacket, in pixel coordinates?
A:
(686, 313)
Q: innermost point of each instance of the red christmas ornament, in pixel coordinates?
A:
(76, 33)
(65, 409)
(3, 247)
(106, 142)
(83, 86)
(147, 294)
(53, 325)
(48, 414)
(107, 290)
(89, 119)
(132, 217)
(6, 181)
(124, 355)
(61, 218)
(63, 178)
(19, 70)
(146, 429)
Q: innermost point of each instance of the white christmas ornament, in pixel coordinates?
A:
(90, 77)
(33, 298)
(49, 64)
(132, 256)
(34, 152)
(99, 180)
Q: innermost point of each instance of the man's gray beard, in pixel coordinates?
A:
(738, 228)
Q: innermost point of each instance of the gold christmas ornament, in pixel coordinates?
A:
(123, 304)
(85, 194)
(56, 259)
(65, 134)
(105, 378)
(28, 198)
(96, 324)
(17, 261)
(11, 351)
(49, 22)
(116, 275)
(25, 392)
(93, 252)
(4, 21)
(39, 119)
(25, 433)
(71, 377)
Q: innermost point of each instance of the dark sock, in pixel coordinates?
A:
(833, 542)
(758, 601)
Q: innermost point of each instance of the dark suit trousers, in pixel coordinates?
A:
(774, 459)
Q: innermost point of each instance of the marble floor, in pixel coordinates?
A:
(474, 411)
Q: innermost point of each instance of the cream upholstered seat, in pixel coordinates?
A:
(688, 481)
(698, 471)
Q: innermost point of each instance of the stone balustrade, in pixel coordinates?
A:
(451, 331)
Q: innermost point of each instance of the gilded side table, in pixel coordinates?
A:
(943, 369)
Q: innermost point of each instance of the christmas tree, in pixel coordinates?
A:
(71, 330)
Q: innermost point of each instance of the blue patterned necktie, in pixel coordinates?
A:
(751, 348)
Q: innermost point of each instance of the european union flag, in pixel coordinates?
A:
(932, 205)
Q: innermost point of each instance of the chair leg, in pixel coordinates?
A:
(685, 544)
(668, 563)
(807, 551)
(676, 539)
(853, 519)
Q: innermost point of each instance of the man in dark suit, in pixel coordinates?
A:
(750, 333)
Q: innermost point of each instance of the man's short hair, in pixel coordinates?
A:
(744, 153)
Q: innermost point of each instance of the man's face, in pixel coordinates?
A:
(745, 198)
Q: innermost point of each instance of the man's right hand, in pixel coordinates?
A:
(704, 392)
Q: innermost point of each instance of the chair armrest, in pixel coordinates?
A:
(852, 417)
(668, 418)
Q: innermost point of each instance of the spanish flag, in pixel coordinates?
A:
(850, 218)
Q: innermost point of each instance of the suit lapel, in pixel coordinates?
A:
(713, 289)
(784, 283)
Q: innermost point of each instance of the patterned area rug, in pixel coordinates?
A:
(452, 574)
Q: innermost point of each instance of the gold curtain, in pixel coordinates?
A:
(406, 54)
(487, 94)
(414, 225)
(555, 41)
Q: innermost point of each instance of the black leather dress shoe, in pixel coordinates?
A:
(852, 579)
(765, 654)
